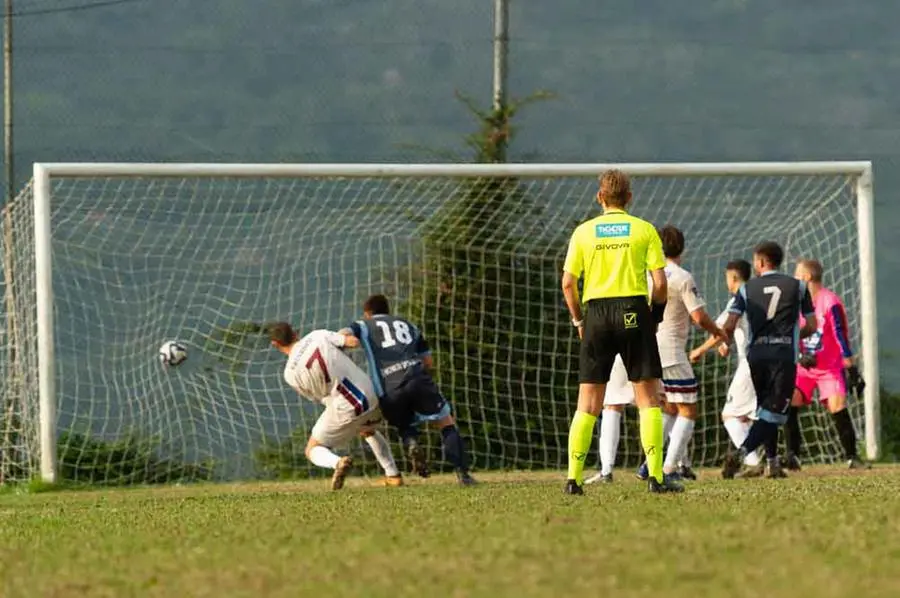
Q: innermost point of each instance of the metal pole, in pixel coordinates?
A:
(501, 52)
(8, 102)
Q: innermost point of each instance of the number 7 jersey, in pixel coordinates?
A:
(394, 350)
(319, 370)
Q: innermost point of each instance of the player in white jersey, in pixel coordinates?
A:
(318, 370)
(684, 307)
(740, 404)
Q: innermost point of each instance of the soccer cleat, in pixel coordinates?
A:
(857, 463)
(668, 485)
(417, 457)
(340, 472)
(751, 471)
(393, 481)
(732, 464)
(643, 472)
(673, 476)
(599, 478)
(573, 488)
(776, 471)
(686, 473)
(792, 462)
(465, 478)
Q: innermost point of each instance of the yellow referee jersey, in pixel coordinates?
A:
(614, 252)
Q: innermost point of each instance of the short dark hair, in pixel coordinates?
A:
(742, 267)
(615, 188)
(281, 333)
(771, 252)
(814, 267)
(377, 305)
(672, 240)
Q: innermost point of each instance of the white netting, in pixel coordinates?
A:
(138, 261)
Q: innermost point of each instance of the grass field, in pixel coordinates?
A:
(820, 534)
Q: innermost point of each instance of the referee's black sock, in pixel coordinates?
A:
(455, 448)
(760, 431)
(846, 433)
(792, 431)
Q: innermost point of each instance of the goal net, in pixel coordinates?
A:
(207, 254)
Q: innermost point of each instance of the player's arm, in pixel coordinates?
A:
(697, 308)
(841, 332)
(809, 313)
(342, 341)
(710, 343)
(656, 264)
(424, 351)
(572, 271)
(736, 309)
(350, 336)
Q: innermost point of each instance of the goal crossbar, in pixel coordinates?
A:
(860, 171)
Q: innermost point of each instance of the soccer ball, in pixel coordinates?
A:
(172, 353)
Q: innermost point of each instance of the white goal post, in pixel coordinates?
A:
(204, 211)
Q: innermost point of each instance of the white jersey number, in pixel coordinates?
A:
(402, 333)
(773, 300)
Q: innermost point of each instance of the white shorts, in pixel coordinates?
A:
(619, 390)
(741, 400)
(346, 413)
(680, 384)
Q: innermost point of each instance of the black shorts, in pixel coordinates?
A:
(773, 381)
(621, 326)
(418, 399)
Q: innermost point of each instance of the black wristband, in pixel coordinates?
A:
(657, 310)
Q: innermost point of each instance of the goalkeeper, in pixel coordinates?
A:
(399, 364)
(614, 252)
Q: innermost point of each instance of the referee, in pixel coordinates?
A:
(614, 252)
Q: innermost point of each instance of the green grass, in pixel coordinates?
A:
(821, 534)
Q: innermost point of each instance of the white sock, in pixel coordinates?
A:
(685, 460)
(379, 445)
(682, 431)
(668, 422)
(323, 457)
(737, 431)
(609, 439)
(752, 459)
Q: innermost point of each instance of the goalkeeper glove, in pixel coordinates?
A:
(807, 360)
(855, 382)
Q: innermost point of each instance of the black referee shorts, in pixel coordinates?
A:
(620, 326)
(774, 381)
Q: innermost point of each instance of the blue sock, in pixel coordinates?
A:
(454, 448)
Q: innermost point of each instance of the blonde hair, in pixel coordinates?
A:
(615, 188)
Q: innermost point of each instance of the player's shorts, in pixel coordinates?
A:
(620, 326)
(773, 381)
(418, 400)
(619, 390)
(830, 383)
(679, 384)
(347, 412)
(741, 399)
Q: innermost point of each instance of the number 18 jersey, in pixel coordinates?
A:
(394, 350)
(319, 370)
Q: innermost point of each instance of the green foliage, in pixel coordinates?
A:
(231, 343)
(890, 426)
(129, 460)
(486, 293)
(284, 459)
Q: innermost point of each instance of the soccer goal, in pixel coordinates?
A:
(103, 263)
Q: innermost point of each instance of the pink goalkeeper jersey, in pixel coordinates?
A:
(831, 342)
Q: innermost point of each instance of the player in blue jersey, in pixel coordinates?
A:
(400, 365)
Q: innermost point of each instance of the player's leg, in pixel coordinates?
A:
(619, 393)
(737, 417)
(399, 410)
(431, 406)
(328, 433)
(834, 386)
(641, 357)
(669, 415)
(381, 448)
(802, 397)
(595, 362)
(681, 389)
(773, 382)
